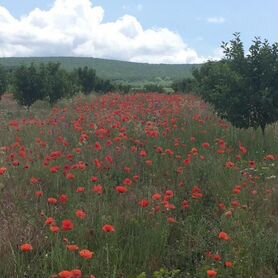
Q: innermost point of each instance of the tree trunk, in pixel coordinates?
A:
(263, 129)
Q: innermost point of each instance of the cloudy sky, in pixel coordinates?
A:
(152, 31)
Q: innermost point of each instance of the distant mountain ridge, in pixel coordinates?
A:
(114, 70)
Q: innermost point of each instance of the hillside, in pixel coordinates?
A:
(113, 69)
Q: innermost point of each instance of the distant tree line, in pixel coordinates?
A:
(49, 82)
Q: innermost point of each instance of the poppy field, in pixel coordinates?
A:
(136, 186)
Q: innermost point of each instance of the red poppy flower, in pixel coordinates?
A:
(26, 247)
(144, 203)
(127, 181)
(72, 247)
(67, 225)
(269, 157)
(156, 196)
(65, 274)
(94, 179)
(80, 189)
(143, 153)
(171, 220)
(70, 176)
(206, 145)
(63, 199)
(81, 214)
(98, 189)
(217, 258)
(34, 180)
(170, 194)
(76, 273)
(49, 221)
(108, 228)
(52, 201)
(185, 204)
(39, 194)
(121, 189)
(230, 165)
(197, 193)
(243, 150)
(86, 254)
(54, 229)
(98, 147)
(212, 273)
(224, 236)
(252, 164)
(3, 170)
(229, 264)
(55, 169)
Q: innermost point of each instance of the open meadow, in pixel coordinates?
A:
(134, 186)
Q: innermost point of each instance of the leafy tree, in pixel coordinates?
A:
(57, 82)
(86, 79)
(186, 85)
(123, 88)
(46, 81)
(151, 87)
(103, 86)
(243, 89)
(3, 81)
(28, 84)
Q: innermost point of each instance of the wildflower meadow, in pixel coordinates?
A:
(135, 186)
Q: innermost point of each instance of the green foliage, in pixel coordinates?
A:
(142, 275)
(103, 86)
(151, 87)
(243, 89)
(51, 82)
(3, 81)
(32, 83)
(86, 79)
(28, 84)
(164, 273)
(56, 82)
(123, 88)
(186, 85)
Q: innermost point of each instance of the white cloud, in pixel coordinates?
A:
(218, 54)
(216, 20)
(76, 28)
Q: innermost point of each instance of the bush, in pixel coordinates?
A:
(186, 85)
(153, 88)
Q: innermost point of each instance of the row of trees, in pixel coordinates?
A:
(50, 82)
(243, 89)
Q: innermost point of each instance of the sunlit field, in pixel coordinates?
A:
(142, 185)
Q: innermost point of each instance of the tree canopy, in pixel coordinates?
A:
(243, 88)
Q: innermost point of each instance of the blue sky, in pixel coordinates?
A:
(201, 24)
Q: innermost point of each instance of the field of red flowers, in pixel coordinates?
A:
(142, 185)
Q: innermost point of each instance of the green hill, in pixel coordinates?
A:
(114, 70)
